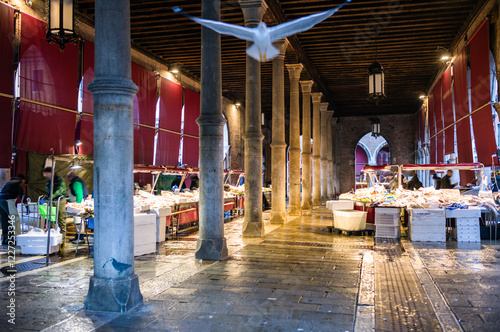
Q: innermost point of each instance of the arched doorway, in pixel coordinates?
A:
(370, 151)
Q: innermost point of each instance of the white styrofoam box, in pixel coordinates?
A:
(465, 222)
(350, 220)
(392, 232)
(162, 212)
(387, 216)
(137, 210)
(427, 233)
(427, 213)
(144, 234)
(38, 250)
(38, 237)
(161, 225)
(427, 221)
(464, 213)
(340, 205)
(467, 235)
(32, 208)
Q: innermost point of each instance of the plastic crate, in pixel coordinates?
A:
(391, 232)
(387, 216)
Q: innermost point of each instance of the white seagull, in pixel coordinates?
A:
(262, 37)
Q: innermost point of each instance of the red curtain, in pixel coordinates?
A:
(191, 150)
(167, 150)
(464, 141)
(6, 83)
(482, 120)
(448, 115)
(87, 134)
(439, 122)
(48, 76)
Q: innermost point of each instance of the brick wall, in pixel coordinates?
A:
(398, 130)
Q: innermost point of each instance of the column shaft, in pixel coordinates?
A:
(316, 99)
(329, 153)
(306, 145)
(211, 242)
(278, 145)
(252, 226)
(324, 161)
(294, 208)
(114, 286)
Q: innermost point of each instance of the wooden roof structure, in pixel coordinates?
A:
(402, 35)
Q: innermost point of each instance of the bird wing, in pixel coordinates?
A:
(237, 31)
(301, 24)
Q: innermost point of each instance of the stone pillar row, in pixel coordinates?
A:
(306, 145)
(294, 208)
(324, 161)
(329, 154)
(316, 172)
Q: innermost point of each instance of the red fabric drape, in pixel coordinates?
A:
(88, 77)
(87, 135)
(6, 83)
(464, 141)
(41, 128)
(439, 122)
(191, 150)
(448, 115)
(145, 98)
(482, 120)
(433, 151)
(48, 76)
(167, 150)
(431, 117)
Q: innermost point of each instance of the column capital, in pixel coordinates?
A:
(281, 45)
(323, 107)
(306, 86)
(253, 10)
(294, 70)
(329, 113)
(316, 97)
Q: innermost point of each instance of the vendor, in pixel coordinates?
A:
(437, 181)
(195, 182)
(446, 181)
(8, 196)
(177, 182)
(414, 183)
(78, 191)
(59, 190)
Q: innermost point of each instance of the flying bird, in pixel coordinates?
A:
(120, 267)
(262, 36)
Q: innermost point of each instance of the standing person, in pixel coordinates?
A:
(177, 182)
(8, 196)
(59, 190)
(414, 183)
(445, 181)
(195, 182)
(437, 181)
(78, 191)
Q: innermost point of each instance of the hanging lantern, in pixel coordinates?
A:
(375, 128)
(376, 90)
(61, 23)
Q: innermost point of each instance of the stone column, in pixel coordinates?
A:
(306, 145)
(253, 11)
(329, 153)
(294, 208)
(211, 242)
(278, 145)
(114, 286)
(323, 107)
(316, 99)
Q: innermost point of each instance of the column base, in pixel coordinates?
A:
(211, 249)
(306, 206)
(113, 295)
(317, 202)
(295, 211)
(278, 217)
(253, 229)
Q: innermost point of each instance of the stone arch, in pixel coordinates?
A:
(398, 131)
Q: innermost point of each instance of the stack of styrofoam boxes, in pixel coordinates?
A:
(387, 223)
(339, 206)
(35, 242)
(144, 234)
(427, 225)
(28, 215)
(467, 224)
(161, 222)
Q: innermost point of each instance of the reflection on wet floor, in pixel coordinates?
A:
(297, 277)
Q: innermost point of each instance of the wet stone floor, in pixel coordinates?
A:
(298, 277)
